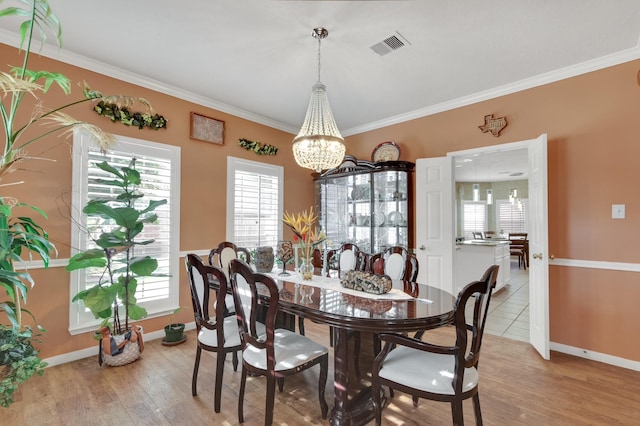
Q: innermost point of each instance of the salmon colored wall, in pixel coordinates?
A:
(203, 187)
(593, 126)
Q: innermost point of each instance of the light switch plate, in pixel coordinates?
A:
(617, 211)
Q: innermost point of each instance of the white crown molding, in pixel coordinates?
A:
(67, 57)
(518, 86)
(49, 51)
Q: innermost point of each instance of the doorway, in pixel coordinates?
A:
(435, 228)
(491, 198)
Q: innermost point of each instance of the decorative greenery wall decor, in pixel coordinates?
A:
(257, 147)
(117, 112)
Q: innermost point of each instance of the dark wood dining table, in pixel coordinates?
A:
(426, 308)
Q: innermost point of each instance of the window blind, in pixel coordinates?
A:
(254, 205)
(474, 217)
(512, 218)
(159, 168)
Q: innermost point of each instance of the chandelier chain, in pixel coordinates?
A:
(319, 42)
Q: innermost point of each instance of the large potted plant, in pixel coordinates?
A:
(19, 236)
(22, 235)
(115, 224)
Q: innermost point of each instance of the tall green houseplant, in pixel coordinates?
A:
(22, 235)
(115, 225)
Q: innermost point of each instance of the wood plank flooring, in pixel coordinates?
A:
(517, 387)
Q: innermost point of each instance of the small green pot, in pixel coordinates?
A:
(173, 333)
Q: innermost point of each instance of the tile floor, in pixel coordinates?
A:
(509, 307)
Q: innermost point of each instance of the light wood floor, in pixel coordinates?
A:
(517, 387)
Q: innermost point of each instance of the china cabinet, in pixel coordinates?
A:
(367, 203)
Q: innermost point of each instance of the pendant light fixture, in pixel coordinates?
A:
(319, 145)
(476, 192)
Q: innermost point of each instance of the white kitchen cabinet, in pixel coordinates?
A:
(475, 256)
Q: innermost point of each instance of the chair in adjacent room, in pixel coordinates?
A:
(477, 235)
(440, 373)
(489, 234)
(216, 332)
(220, 258)
(277, 353)
(519, 246)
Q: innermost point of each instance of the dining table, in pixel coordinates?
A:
(407, 307)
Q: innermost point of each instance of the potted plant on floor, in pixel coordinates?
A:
(115, 225)
(174, 331)
(21, 235)
(19, 359)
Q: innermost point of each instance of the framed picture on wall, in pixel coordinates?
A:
(206, 129)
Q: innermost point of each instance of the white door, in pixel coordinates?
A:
(538, 247)
(434, 222)
(435, 213)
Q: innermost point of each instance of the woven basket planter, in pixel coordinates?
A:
(130, 353)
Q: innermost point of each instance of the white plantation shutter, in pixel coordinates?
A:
(512, 218)
(474, 217)
(254, 203)
(159, 170)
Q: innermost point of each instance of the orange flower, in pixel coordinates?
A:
(302, 226)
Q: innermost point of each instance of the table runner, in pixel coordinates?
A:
(334, 284)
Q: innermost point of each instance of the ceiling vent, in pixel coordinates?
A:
(390, 44)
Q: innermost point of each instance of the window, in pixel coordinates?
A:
(474, 217)
(254, 203)
(159, 166)
(512, 217)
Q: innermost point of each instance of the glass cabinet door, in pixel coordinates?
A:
(390, 210)
(367, 205)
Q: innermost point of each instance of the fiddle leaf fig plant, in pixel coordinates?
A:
(115, 226)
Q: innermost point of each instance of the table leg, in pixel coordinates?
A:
(359, 409)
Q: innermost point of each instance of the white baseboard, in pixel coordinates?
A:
(595, 356)
(93, 351)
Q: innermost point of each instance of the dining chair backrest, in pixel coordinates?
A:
(267, 351)
(350, 258)
(247, 286)
(478, 235)
(222, 255)
(480, 292)
(396, 262)
(216, 332)
(436, 372)
(199, 274)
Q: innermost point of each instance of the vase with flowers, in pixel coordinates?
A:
(307, 235)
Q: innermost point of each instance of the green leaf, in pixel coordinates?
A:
(109, 169)
(99, 299)
(87, 259)
(143, 266)
(153, 204)
(137, 312)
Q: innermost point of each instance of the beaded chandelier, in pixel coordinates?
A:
(319, 144)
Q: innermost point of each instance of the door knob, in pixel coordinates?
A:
(422, 247)
(551, 257)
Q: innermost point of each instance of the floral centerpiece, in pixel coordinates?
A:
(308, 237)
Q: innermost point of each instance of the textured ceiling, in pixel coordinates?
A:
(257, 59)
